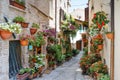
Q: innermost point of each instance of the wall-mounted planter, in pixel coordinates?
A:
(24, 42)
(100, 47)
(33, 31)
(5, 34)
(109, 35)
(14, 3)
(23, 24)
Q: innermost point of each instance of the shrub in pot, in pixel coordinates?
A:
(98, 67)
(34, 28)
(87, 61)
(20, 20)
(75, 52)
(103, 77)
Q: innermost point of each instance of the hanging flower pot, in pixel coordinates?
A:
(33, 31)
(109, 35)
(100, 46)
(24, 25)
(5, 34)
(24, 42)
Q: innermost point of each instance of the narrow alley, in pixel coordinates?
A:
(68, 71)
(59, 40)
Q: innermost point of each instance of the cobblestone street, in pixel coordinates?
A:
(68, 71)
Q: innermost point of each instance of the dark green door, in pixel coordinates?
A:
(14, 58)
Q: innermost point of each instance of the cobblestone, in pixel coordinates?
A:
(68, 71)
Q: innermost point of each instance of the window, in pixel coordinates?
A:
(18, 3)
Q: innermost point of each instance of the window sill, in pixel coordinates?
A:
(17, 8)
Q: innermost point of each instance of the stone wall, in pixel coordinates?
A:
(31, 14)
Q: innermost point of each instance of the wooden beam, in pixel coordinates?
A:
(41, 11)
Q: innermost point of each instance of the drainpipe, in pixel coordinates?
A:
(112, 43)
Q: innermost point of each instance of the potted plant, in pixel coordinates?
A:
(24, 40)
(98, 67)
(34, 28)
(38, 40)
(6, 30)
(109, 35)
(31, 73)
(103, 77)
(52, 64)
(21, 21)
(23, 73)
(38, 63)
(18, 3)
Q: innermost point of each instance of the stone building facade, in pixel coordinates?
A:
(33, 13)
(41, 12)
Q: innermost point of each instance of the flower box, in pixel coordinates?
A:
(23, 76)
(18, 5)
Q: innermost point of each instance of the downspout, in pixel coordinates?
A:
(112, 43)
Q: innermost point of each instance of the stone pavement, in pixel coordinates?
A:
(68, 71)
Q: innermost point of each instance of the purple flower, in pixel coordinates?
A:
(72, 27)
(50, 32)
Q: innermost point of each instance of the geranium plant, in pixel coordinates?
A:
(98, 67)
(100, 19)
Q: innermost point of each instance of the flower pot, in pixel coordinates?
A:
(109, 35)
(30, 76)
(24, 25)
(34, 60)
(35, 75)
(14, 3)
(40, 69)
(22, 76)
(33, 31)
(100, 47)
(5, 34)
(24, 42)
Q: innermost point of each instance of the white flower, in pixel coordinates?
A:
(12, 27)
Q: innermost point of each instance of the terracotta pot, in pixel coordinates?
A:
(33, 31)
(30, 76)
(35, 75)
(34, 60)
(100, 46)
(14, 3)
(24, 25)
(109, 35)
(22, 76)
(24, 42)
(5, 34)
(40, 69)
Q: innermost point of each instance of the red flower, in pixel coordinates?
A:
(99, 26)
(94, 16)
(103, 23)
